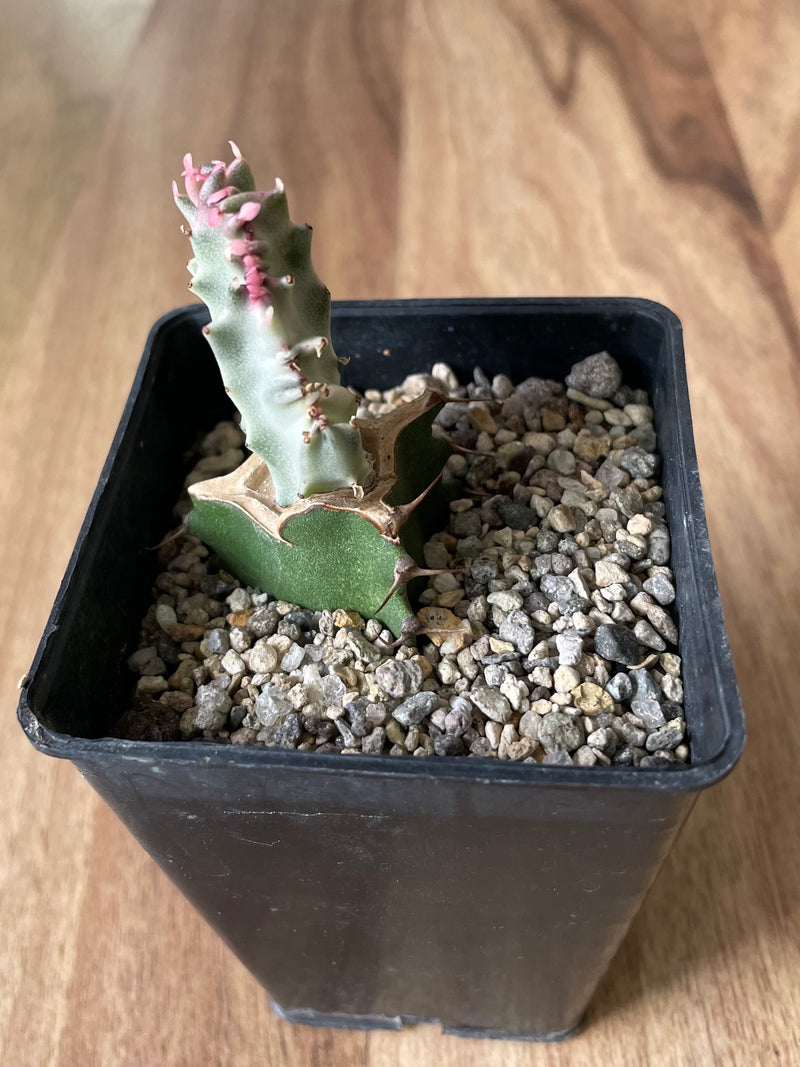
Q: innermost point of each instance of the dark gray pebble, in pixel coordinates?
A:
(617, 644)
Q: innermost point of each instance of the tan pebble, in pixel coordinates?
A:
(494, 732)
(640, 525)
(670, 663)
(441, 625)
(591, 699)
(151, 686)
(565, 679)
(589, 448)
(542, 676)
(186, 725)
(615, 417)
(541, 707)
(520, 750)
(456, 643)
(594, 402)
(450, 598)
(552, 420)
(498, 647)
(395, 732)
(639, 414)
(184, 631)
(563, 700)
(342, 618)
(240, 618)
(561, 518)
(481, 418)
(608, 573)
(541, 443)
(508, 736)
(181, 678)
(424, 665)
(244, 736)
(176, 700)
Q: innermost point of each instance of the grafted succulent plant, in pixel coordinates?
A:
(329, 510)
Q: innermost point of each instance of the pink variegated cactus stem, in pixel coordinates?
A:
(270, 329)
(330, 511)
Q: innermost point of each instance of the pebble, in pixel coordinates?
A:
(166, 617)
(570, 648)
(645, 634)
(561, 518)
(557, 730)
(292, 658)
(617, 644)
(603, 740)
(262, 658)
(650, 713)
(399, 678)
(565, 679)
(213, 705)
(492, 703)
(414, 708)
(591, 699)
(667, 737)
(342, 618)
(596, 376)
(608, 573)
(516, 629)
(515, 515)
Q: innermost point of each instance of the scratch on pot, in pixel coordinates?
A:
(308, 814)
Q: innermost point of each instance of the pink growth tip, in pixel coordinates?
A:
(191, 175)
(235, 149)
(238, 247)
(222, 194)
(249, 211)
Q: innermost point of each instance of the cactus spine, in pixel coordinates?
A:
(326, 512)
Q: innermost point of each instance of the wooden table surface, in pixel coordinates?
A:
(441, 148)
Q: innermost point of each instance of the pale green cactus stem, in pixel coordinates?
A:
(270, 330)
(331, 510)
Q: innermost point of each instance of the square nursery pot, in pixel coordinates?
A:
(372, 891)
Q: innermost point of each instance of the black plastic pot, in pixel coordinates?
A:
(372, 891)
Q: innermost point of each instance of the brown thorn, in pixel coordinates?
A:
(411, 627)
(170, 537)
(403, 512)
(462, 448)
(406, 570)
(471, 400)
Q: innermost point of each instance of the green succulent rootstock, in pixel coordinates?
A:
(330, 510)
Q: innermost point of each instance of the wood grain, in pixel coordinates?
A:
(753, 50)
(439, 147)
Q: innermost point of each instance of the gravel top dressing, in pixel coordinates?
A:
(548, 638)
